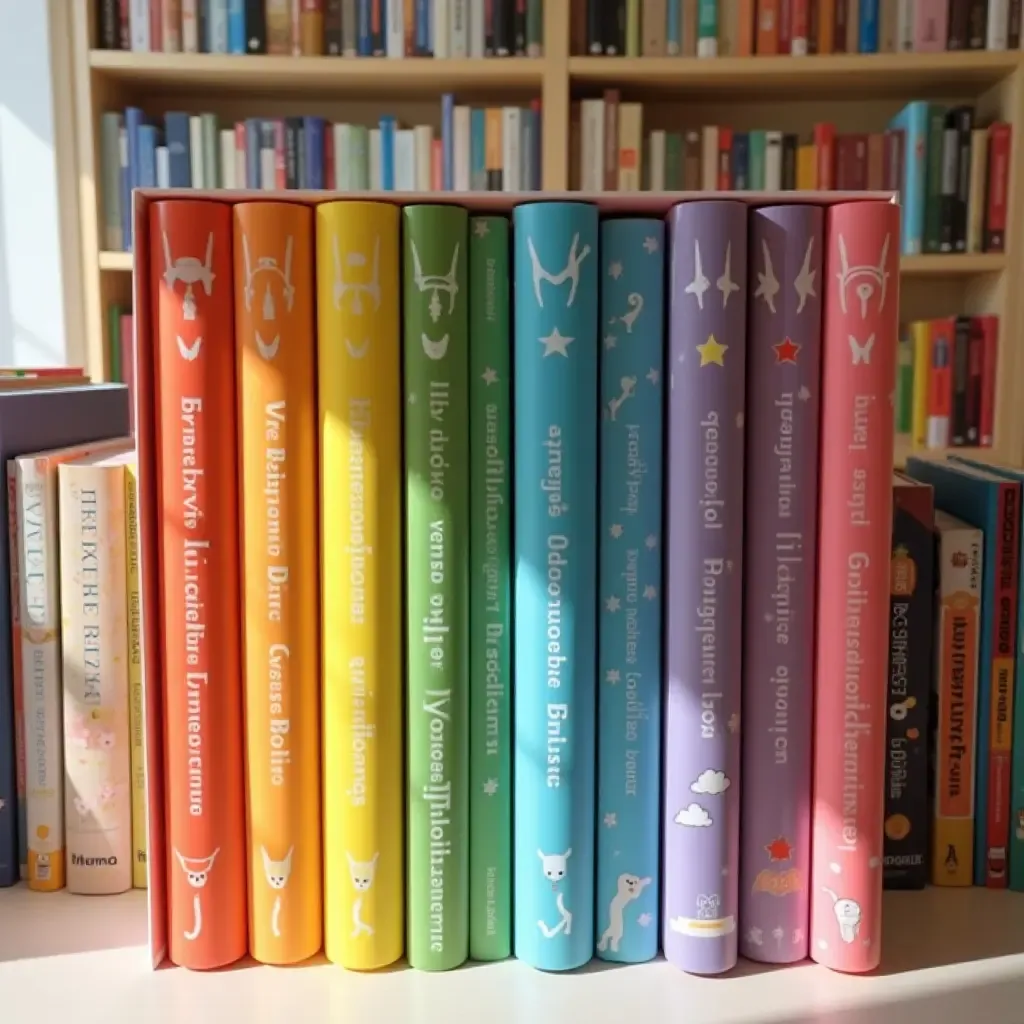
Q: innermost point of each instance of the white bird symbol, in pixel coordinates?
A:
(804, 283)
(725, 284)
(767, 282)
(700, 284)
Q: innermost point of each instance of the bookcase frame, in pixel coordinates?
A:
(859, 92)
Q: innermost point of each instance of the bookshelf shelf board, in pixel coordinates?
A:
(851, 76)
(120, 262)
(949, 955)
(311, 76)
(903, 446)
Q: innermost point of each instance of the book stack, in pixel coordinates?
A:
(338, 28)
(746, 28)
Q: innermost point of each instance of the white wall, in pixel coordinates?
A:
(31, 293)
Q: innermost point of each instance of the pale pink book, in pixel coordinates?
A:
(861, 294)
(931, 25)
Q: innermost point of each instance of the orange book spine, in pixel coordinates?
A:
(311, 28)
(275, 344)
(197, 519)
(826, 26)
(767, 34)
(747, 20)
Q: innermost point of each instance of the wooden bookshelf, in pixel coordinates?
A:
(857, 92)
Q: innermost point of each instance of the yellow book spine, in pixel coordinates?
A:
(357, 254)
(135, 711)
(276, 348)
(807, 167)
(920, 332)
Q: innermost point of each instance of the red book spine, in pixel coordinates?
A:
(940, 381)
(240, 161)
(800, 33)
(611, 140)
(437, 165)
(998, 175)
(126, 24)
(724, 159)
(785, 25)
(839, 26)
(280, 160)
(854, 538)
(975, 377)
(893, 173)
(989, 326)
(330, 172)
(156, 26)
(825, 146)
(200, 617)
(766, 37)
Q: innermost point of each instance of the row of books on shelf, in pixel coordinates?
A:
(744, 28)
(492, 149)
(309, 28)
(946, 381)
(951, 175)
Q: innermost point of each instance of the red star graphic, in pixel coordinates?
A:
(779, 849)
(785, 351)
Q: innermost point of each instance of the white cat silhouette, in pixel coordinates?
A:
(555, 867)
(277, 873)
(362, 873)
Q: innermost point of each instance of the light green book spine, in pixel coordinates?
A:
(632, 28)
(436, 362)
(490, 626)
(707, 28)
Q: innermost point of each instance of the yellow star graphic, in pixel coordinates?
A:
(712, 352)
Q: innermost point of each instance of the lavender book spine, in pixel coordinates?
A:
(704, 584)
(780, 534)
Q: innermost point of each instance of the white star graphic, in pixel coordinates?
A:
(412, 397)
(481, 228)
(644, 920)
(615, 270)
(653, 375)
(651, 244)
(609, 341)
(650, 592)
(489, 376)
(556, 343)
(804, 393)
(490, 787)
(615, 530)
(610, 820)
(651, 542)
(612, 676)
(612, 604)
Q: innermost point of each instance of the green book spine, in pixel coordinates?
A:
(905, 383)
(211, 151)
(757, 161)
(673, 161)
(632, 28)
(490, 626)
(114, 339)
(436, 363)
(535, 28)
(933, 189)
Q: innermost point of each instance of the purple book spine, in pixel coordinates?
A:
(780, 533)
(704, 584)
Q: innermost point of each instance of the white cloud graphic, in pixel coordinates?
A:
(711, 782)
(693, 816)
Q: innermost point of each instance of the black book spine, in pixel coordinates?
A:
(948, 181)
(519, 27)
(789, 146)
(1013, 28)
(255, 26)
(974, 378)
(977, 25)
(595, 27)
(292, 127)
(959, 22)
(813, 14)
(964, 127)
(503, 18)
(333, 36)
(109, 29)
(961, 375)
(614, 27)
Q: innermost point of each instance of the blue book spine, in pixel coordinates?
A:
(253, 132)
(125, 179)
(314, 142)
(975, 500)
(868, 28)
(674, 33)
(422, 28)
(236, 26)
(448, 141)
(387, 154)
(134, 119)
(430, 26)
(477, 149)
(217, 27)
(179, 150)
(741, 161)
(364, 31)
(912, 120)
(556, 364)
(147, 156)
(630, 612)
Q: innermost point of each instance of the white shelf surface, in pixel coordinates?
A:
(950, 956)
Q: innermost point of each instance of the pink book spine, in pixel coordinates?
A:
(931, 25)
(861, 284)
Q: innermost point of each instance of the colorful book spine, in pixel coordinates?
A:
(780, 571)
(17, 678)
(94, 634)
(630, 585)
(490, 591)
(200, 614)
(855, 507)
(556, 364)
(436, 366)
(276, 350)
(136, 709)
(909, 686)
(359, 370)
(704, 584)
(958, 564)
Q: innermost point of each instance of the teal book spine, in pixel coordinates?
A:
(435, 352)
(490, 591)
(707, 28)
(630, 610)
(555, 603)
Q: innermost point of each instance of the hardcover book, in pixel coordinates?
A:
(436, 363)
(359, 373)
(556, 365)
(958, 567)
(861, 298)
(276, 358)
(911, 613)
(780, 537)
(704, 584)
(630, 585)
(17, 680)
(34, 420)
(200, 615)
(490, 593)
(991, 503)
